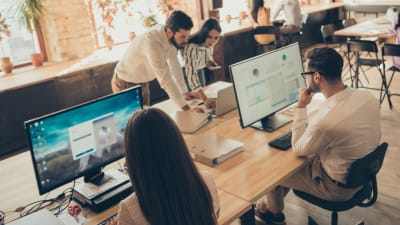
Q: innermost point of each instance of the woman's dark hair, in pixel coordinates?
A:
(178, 20)
(168, 186)
(327, 61)
(257, 4)
(201, 36)
(398, 20)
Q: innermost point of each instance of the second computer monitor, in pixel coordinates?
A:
(266, 84)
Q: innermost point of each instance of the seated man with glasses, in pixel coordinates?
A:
(345, 128)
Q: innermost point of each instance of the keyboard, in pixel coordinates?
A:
(283, 142)
(109, 219)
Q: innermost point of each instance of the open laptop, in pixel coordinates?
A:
(211, 149)
(225, 101)
(190, 122)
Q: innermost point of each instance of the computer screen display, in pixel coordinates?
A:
(266, 84)
(73, 142)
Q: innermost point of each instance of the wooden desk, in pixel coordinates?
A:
(255, 171)
(378, 27)
(251, 174)
(308, 9)
(18, 188)
(240, 180)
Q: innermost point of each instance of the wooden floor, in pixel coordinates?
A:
(386, 211)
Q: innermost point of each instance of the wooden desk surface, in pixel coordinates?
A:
(378, 27)
(256, 170)
(18, 188)
(241, 179)
(235, 27)
(309, 9)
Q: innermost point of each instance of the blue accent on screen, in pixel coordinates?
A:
(67, 144)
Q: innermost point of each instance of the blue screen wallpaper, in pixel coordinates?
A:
(67, 144)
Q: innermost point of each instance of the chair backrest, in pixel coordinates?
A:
(268, 30)
(363, 170)
(357, 45)
(349, 22)
(390, 49)
(327, 32)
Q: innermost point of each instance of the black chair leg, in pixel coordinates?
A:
(311, 221)
(248, 218)
(385, 91)
(334, 218)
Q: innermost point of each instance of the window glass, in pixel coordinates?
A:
(118, 18)
(19, 45)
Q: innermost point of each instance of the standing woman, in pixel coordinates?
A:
(260, 16)
(198, 54)
(395, 30)
(169, 190)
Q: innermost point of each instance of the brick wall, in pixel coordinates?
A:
(67, 30)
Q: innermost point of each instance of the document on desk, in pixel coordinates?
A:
(212, 149)
(190, 122)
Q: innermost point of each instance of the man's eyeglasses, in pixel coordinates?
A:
(304, 74)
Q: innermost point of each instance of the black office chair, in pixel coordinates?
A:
(366, 55)
(272, 30)
(349, 22)
(390, 50)
(327, 32)
(292, 37)
(362, 173)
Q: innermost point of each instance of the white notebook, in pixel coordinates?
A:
(190, 122)
(212, 149)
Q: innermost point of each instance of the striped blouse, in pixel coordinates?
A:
(195, 57)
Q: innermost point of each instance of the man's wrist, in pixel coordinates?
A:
(301, 106)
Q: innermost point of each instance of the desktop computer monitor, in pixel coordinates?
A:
(265, 84)
(81, 140)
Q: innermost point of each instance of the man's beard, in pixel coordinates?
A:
(313, 87)
(173, 41)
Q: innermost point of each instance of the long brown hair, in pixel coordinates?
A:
(257, 4)
(168, 186)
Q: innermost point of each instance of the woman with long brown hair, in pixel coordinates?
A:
(169, 190)
(260, 16)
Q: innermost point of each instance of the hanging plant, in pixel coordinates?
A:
(108, 11)
(167, 6)
(148, 20)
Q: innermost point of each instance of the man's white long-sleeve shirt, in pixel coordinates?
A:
(345, 128)
(150, 56)
(292, 11)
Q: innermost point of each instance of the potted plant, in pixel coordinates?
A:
(30, 14)
(6, 65)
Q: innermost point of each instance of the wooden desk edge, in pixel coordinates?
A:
(310, 9)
